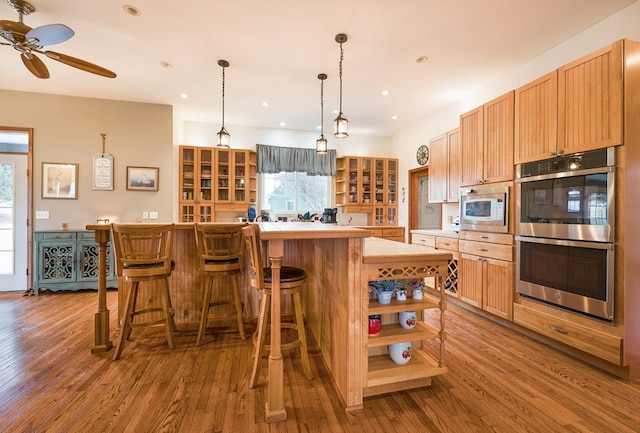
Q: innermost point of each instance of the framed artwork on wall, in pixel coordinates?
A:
(59, 180)
(142, 178)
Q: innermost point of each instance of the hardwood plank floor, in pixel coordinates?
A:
(498, 381)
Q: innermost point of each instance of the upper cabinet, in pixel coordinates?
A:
(590, 101)
(354, 183)
(445, 168)
(368, 185)
(536, 119)
(235, 179)
(574, 109)
(196, 174)
(486, 142)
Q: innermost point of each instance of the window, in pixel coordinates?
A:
(295, 192)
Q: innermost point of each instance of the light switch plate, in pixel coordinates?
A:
(153, 215)
(42, 214)
(145, 215)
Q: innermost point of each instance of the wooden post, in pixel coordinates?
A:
(274, 406)
(102, 342)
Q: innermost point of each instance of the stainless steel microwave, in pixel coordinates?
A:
(485, 208)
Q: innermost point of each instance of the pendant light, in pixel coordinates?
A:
(341, 124)
(224, 139)
(321, 142)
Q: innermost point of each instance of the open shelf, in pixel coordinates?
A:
(383, 371)
(397, 306)
(394, 333)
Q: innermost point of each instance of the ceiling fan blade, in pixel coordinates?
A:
(35, 65)
(50, 34)
(80, 64)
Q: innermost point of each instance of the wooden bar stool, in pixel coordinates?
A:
(220, 254)
(291, 281)
(142, 254)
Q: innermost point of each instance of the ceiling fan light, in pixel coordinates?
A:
(341, 126)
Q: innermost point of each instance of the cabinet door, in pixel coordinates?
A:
(498, 139)
(56, 262)
(438, 161)
(223, 176)
(536, 119)
(454, 166)
(497, 294)
(187, 172)
(367, 182)
(590, 101)
(471, 136)
(204, 175)
(391, 181)
(470, 281)
(379, 193)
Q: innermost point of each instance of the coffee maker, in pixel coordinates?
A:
(329, 215)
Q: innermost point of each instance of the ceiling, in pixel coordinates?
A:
(277, 48)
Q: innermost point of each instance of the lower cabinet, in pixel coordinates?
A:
(448, 243)
(69, 260)
(383, 375)
(487, 272)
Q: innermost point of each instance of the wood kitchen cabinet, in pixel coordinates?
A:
(590, 102)
(536, 119)
(195, 184)
(448, 243)
(486, 142)
(235, 179)
(368, 185)
(486, 270)
(445, 169)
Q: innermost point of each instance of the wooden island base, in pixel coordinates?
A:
(340, 262)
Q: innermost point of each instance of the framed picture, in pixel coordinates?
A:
(142, 178)
(59, 181)
(103, 172)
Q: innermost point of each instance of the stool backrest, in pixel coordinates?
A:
(254, 254)
(219, 244)
(142, 249)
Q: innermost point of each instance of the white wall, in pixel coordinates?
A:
(624, 24)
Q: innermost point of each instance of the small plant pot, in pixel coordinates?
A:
(384, 297)
(401, 295)
(417, 293)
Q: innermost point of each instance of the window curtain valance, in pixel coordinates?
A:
(274, 159)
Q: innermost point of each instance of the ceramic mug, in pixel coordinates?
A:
(400, 353)
(408, 319)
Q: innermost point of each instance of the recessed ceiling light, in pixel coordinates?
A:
(265, 104)
(385, 93)
(131, 10)
(166, 65)
(283, 124)
(184, 95)
(319, 127)
(422, 59)
(394, 117)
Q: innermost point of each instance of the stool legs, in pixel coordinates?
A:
(261, 331)
(206, 304)
(130, 311)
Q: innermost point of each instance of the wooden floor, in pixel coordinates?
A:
(498, 381)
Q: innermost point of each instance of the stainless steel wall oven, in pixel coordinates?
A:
(565, 230)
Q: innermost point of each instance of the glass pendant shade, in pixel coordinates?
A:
(224, 139)
(321, 145)
(341, 127)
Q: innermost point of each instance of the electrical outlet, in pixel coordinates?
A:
(450, 219)
(42, 214)
(153, 215)
(145, 215)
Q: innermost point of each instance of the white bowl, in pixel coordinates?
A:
(400, 353)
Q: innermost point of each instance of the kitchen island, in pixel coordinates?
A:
(340, 261)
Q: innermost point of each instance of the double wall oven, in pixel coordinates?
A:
(565, 227)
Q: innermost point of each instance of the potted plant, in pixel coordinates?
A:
(384, 289)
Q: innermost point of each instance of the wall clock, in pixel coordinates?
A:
(422, 155)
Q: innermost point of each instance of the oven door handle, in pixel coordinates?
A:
(567, 243)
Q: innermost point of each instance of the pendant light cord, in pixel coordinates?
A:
(341, 58)
(322, 108)
(223, 68)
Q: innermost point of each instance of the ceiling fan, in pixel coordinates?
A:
(29, 41)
